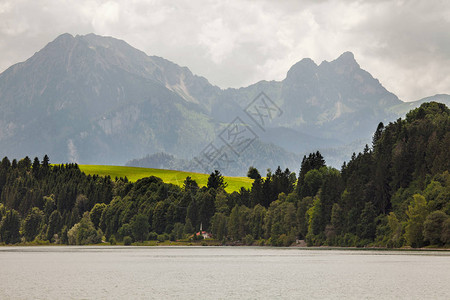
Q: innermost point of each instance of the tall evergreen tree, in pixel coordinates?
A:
(314, 161)
(46, 162)
(216, 180)
(377, 135)
(32, 224)
(36, 167)
(9, 227)
(253, 173)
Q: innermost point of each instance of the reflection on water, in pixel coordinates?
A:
(220, 272)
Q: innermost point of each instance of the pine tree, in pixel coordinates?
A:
(253, 173)
(45, 162)
(216, 180)
(314, 161)
(377, 135)
(33, 223)
(36, 167)
(9, 227)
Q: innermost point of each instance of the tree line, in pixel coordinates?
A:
(394, 193)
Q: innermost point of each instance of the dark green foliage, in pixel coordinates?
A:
(64, 239)
(313, 161)
(280, 219)
(52, 196)
(5, 164)
(24, 164)
(367, 227)
(84, 232)
(302, 218)
(96, 213)
(237, 223)
(160, 219)
(54, 224)
(315, 217)
(127, 240)
(253, 173)
(188, 228)
(445, 235)
(433, 227)
(193, 215)
(256, 194)
(112, 240)
(216, 181)
(45, 162)
(283, 181)
(377, 135)
(248, 240)
(206, 208)
(337, 219)
(311, 184)
(32, 224)
(139, 227)
(178, 231)
(256, 218)
(219, 226)
(36, 167)
(395, 194)
(190, 185)
(265, 191)
(331, 191)
(162, 237)
(9, 227)
(152, 236)
(124, 230)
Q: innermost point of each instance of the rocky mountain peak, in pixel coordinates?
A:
(63, 38)
(301, 71)
(347, 58)
(345, 63)
(107, 102)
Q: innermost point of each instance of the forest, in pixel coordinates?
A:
(395, 193)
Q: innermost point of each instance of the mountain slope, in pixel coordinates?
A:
(97, 99)
(260, 155)
(335, 99)
(402, 108)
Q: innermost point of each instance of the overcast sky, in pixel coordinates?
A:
(404, 44)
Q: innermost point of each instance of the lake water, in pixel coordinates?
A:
(220, 273)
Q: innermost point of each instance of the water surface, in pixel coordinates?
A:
(220, 273)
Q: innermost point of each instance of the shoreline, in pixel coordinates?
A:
(217, 244)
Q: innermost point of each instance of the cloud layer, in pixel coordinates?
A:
(405, 44)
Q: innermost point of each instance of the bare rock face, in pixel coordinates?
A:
(104, 99)
(328, 105)
(95, 99)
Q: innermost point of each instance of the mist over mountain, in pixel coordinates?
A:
(258, 154)
(98, 100)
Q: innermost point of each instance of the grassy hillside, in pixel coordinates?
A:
(168, 176)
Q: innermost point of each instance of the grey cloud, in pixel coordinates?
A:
(405, 44)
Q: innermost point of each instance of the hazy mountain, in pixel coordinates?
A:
(334, 100)
(404, 107)
(95, 99)
(258, 154)
(98, 100)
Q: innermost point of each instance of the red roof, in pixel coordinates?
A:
(203, 232)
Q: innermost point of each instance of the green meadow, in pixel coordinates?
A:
(168, 176)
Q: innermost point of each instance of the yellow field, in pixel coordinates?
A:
(168, 176)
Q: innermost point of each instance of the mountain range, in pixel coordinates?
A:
(97, 100)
